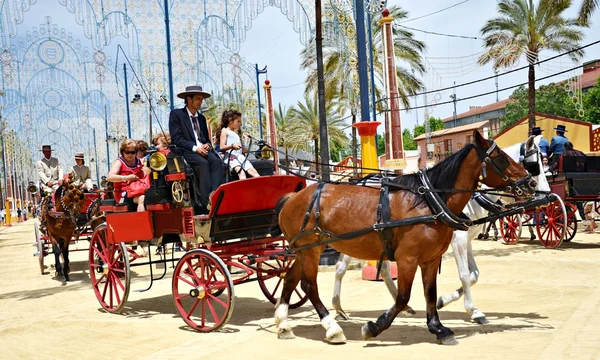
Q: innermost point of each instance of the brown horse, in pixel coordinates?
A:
(60, 222)
(344, 209)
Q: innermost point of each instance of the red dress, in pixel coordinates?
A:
(126, 170)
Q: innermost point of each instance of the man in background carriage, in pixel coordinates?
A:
(51, 174)
(557, 144)
(81, 174)
(49, 171)
(189, 132)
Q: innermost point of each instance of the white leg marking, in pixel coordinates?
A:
(334, 333)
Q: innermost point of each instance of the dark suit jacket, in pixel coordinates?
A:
(182, 133)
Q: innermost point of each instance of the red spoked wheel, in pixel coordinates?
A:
(551, 224)
(571, 228)
(203, 290)
(271, 281)
(510, 228)
(109, 271)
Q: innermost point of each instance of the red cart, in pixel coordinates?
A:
(227, 247)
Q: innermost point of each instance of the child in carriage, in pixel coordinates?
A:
(231, 145)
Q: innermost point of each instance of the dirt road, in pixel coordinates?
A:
(540, 303)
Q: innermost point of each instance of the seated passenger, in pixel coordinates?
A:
(162, 141)
(127, 169)
(570, 151)
(231, 145)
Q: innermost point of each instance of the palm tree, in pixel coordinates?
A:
(340, 61)
(523, 28)
(585, 11)
(305, 126)
(283, 122)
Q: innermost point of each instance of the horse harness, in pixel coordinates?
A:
(438, 207)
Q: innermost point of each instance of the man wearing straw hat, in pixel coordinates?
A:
(49, 170)
(189, 132)
(81, 174)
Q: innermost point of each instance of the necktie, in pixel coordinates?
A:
(197, 128)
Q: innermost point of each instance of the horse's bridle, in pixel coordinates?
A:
(499, 164)
(529, 165)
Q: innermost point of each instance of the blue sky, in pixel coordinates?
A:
(272, 42)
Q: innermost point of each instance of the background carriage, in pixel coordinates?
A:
(83, 230)
(576, 181)
(229, 246)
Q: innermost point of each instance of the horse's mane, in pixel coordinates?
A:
(442, 176)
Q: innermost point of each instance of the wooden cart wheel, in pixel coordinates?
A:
(551, 224)
(511, 228)
(109, 271)
(571, 228)
(39, 241)
(271, 282)
(203, 290)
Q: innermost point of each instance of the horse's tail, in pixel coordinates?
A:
(275, 229)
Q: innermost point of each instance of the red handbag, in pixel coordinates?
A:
(137, 188)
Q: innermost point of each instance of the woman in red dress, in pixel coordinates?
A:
(126, 170)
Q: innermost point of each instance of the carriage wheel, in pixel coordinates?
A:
(271, 282)
(203, 290)
(109, 271)
(571, 222)
(551, 224)
(510, 228)
(40, 245)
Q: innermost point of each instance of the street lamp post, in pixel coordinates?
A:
(96, 157)
(258, 72)
(107, 146)
(127, 101)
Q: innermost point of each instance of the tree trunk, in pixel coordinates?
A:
(317, 155)
(287, 161)
(354, 147)
(321, 98)
(531, 92)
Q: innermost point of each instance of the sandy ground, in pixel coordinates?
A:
(541, 304)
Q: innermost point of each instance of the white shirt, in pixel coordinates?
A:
(196, 135)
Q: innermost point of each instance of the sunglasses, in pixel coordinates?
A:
(130, 152)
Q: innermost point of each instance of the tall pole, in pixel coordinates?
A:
(258, 72)
(96, 157)
(150, 125)
(496, 80)
(107, 145)
(366, 129)
(372, 68)
(395, 159)
(323, 138)
(271, 129)
(127, 102)
(453, 97)
(169, 62)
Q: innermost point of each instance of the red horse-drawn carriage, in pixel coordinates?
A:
(83, 230)
(229, 246)
(576, 180)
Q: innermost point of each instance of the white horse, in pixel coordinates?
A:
(461, 245)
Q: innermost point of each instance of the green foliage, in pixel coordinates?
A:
(591, 105)
(408, 136)
(407, 140)
(551, 99)
(435, 124)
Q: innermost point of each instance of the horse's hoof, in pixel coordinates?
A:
(408, 311)
(480, 236)
(448, 340)
(366, 334)
(342, 316)
(285, 334)
(486, 236)
(481, 320)
(440, 303)
(337, 338)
